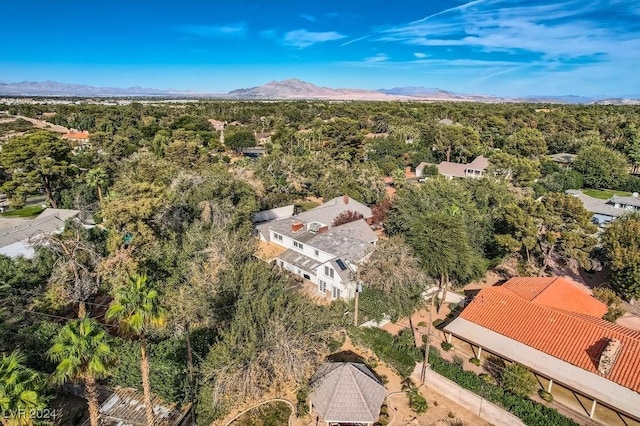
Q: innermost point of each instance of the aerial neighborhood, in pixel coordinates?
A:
(232, 262)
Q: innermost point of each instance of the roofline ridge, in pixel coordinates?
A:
(364, 400)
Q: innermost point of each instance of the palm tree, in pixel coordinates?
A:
(20, 389)
(83, 353)
(97, 178)
(137, 310)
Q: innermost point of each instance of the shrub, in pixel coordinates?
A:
(446, 346)
(530, 412)
(458, 361)
(302, 407)
(517, 379)
(610, 298)
(416, 401)
(372, 363)
(383, 419)
(475, 361)
(390, 349)
(488, 378)
(545, 395)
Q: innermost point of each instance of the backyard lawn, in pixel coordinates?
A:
(30, 211)
(604, 194)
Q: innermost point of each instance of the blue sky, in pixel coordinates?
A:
(501, 47)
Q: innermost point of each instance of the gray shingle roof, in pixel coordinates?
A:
(596, 205)
(327, 212)
(347, 392)
(627, 201)
(301, 261)
(125, 407)
(49, 221)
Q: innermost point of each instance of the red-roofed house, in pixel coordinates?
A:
(80, 139)
(554, 328)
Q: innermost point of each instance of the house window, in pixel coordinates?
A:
(335, 292)
(328, 272)
(322, 286)
(298, 245)
(277, 237)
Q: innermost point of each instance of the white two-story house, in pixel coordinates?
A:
(319, 252)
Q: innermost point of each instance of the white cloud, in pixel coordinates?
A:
(380, 57)
(215, 31)
(554, 30)
(420, 55)
(303, 38)
(308, 17)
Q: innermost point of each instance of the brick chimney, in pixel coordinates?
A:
(345, 199)
(296, 226)
(609, 356)
(323, 229)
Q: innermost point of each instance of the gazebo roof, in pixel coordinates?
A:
(345, 392)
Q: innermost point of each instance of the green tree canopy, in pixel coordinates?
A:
(621, 242)
(601, 167)
(239, 138)
(21, 390)
(36, 160)
(83, 353)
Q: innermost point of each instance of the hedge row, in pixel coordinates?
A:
(397, 351)
(530, 412)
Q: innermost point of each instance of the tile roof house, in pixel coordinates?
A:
(346, 393)
(316, 250)
(474, 169)
(80, 140)
(554, 328)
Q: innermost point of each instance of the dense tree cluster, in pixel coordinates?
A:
(166, 294)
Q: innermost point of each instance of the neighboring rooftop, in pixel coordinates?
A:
(47, 222)
(327, 212)
(632, 200)
(563, 158)
(596, 205)
(577, 339)
(557, 293)
(125, 407)
(76, 135)
(345, 392)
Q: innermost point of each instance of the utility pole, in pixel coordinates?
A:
(427, 343)
(358, 290)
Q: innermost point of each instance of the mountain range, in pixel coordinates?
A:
(292, 89)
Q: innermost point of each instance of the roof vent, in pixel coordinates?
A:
(609, 356)
(314, 226)
(345, 199)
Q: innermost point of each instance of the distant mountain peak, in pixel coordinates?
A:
(292, 88)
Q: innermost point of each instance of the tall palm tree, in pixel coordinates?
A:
(97, 178)
(20, 389)
(137, 310)
(82, 352)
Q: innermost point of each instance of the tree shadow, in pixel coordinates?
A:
(345, 356)
(494, 366)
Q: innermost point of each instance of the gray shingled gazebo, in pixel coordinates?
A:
(346, 393)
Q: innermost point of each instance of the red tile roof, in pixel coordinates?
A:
(578, 339)
(558, 293)
(76, 135)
